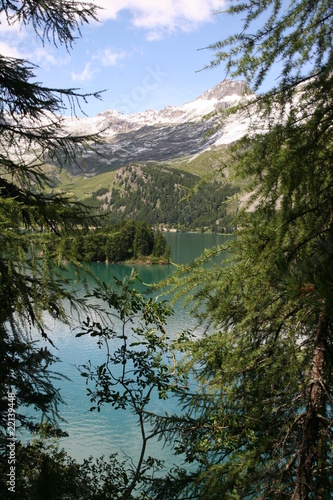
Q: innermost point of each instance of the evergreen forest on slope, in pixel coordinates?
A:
(168, 198)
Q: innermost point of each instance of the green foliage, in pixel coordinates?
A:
(165, 196)
(139, 365)
(143, 240)
(45, 471)
(51, 20)
(296, 37)
(116, 243)
(257, 420)
(31, 133)
(26, 371)
(260, 422)
(38, 231)
(160, 244)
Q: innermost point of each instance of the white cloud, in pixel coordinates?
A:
(47, 57)
(36, 56)
(8, 50)
(165, 15)
(109, 57)
(13, 38)
(7, 27)
(154, 35)
(86, 75)
(21, 42)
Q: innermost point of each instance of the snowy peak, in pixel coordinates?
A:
(223, 95)
(228, 91)
(111, 122)
(172, 132)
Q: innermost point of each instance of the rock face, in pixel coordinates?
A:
(173, 132)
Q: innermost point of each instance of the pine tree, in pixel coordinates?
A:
(160, 244)
(31, 135)
(143, 240)
(260, 421)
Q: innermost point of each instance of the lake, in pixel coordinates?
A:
(93, 433)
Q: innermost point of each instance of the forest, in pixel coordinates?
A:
(255, 390)
(121, 242)
(167, 197)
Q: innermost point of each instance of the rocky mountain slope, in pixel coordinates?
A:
(173, 132)
(147, 164)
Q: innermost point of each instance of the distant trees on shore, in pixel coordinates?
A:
(118, 243)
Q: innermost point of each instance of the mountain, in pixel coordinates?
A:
(174, 132)
(147, 165)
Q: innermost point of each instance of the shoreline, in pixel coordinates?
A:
(141, 261)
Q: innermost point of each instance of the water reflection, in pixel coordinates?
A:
(92, 433)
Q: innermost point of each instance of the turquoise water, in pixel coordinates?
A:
(93, 433)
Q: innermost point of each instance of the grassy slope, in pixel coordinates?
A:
(202, 164)
(82, 186)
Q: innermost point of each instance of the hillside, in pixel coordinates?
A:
(165, 197)
(146, 165)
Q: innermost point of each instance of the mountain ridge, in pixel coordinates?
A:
(148, 162)
(171, 133)
(221, 96)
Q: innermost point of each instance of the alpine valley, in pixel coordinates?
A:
(148, 165)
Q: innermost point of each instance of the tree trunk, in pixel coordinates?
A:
(313, 450)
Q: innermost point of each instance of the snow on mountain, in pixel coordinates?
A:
(173, 132)
(170, 133)
(112, 122)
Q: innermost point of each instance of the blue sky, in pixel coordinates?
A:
(143, 52)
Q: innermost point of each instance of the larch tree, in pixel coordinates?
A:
(259, 422)
(32, 135)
